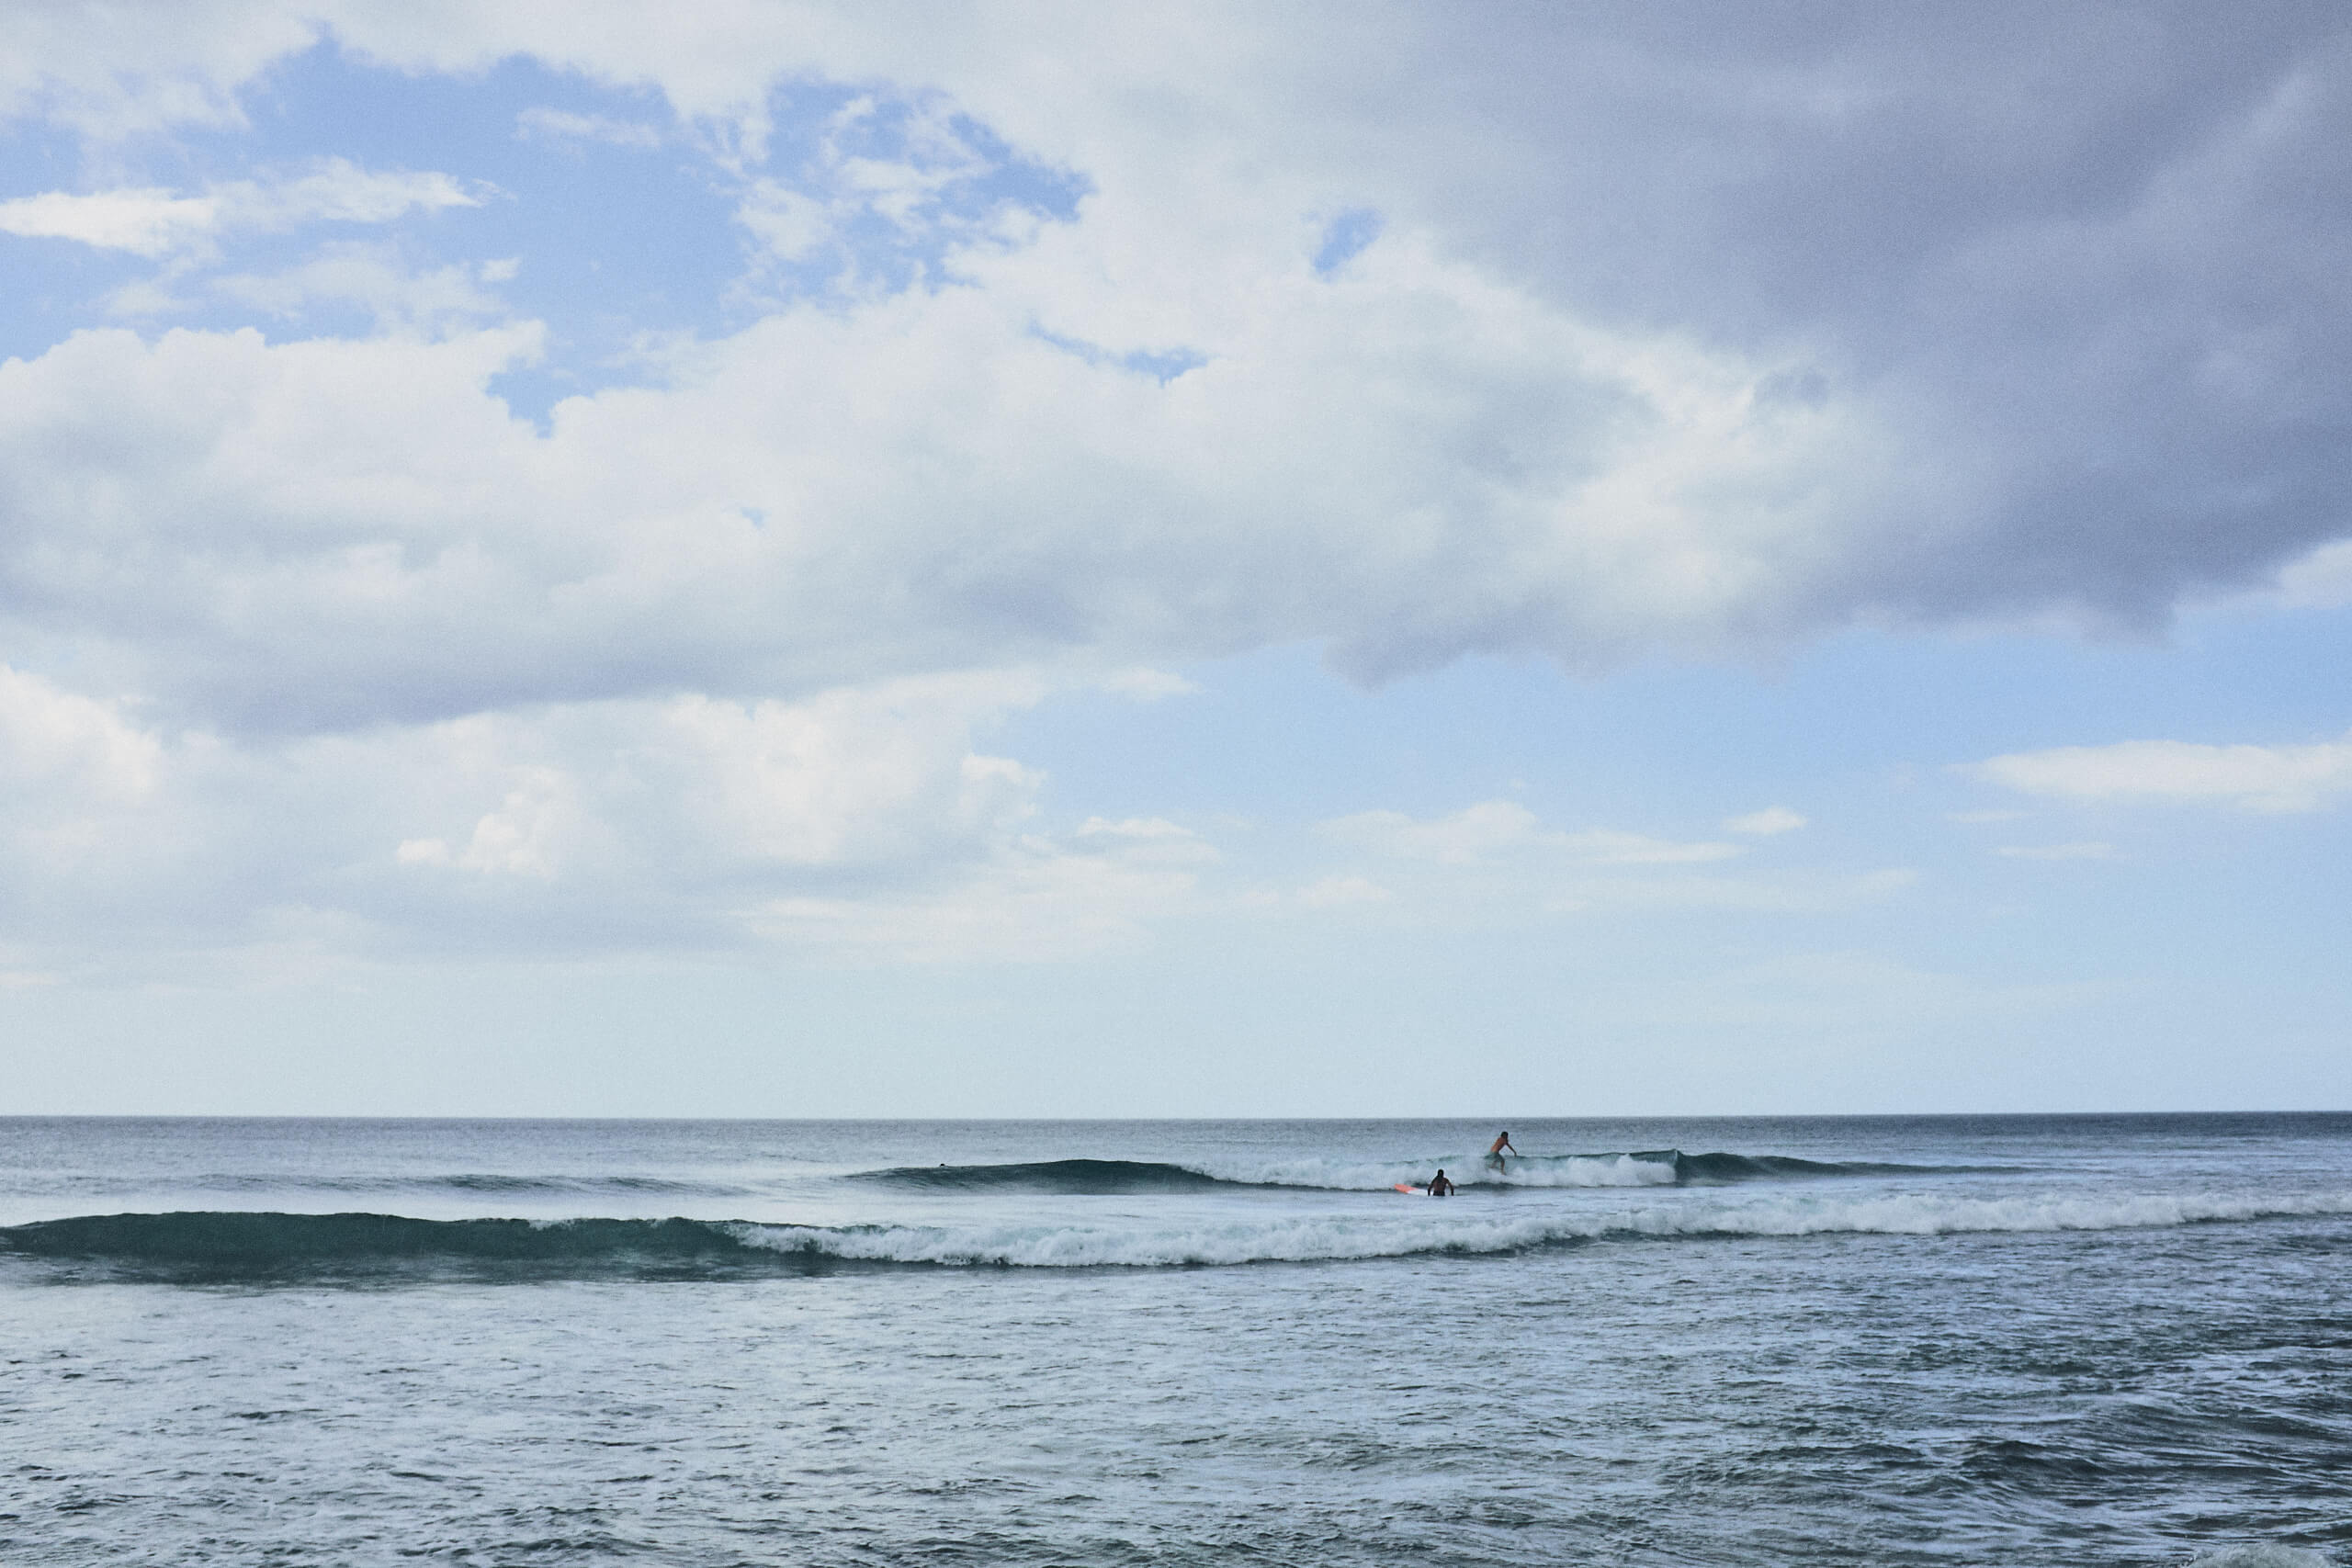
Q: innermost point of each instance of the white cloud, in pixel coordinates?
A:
(1148, 685)
(1480, 832)
(2256, 778)
(562, 124)
(1813, 991)
(1598, 847)
(2322, 580)
(56, 739)
(788, 223)
(336, 190)
(375, 278)
(154, 222)
(1146, 841)
(1343, 892)
(940, 487)
(1798, 893)
(525, 836)
(124, 70)
(1771, 820)
(1495, 830)
(1495, 861)
(1046, 909)
(606, 826)
(144, 222)
(2088, 849)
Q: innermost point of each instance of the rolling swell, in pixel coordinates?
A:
(1085, 1177)
(1703, 1170)
(208, 1244)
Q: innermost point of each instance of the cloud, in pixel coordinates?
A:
(639, 825)
(2092, 849)
(1495, 861)
(1148, 685)
(1813, 991)
(56, 739)
(118, 72)
(1152, 839)
(1646, 342)
(155, 222)
(1833, 306)
(1343, 892)
(562, 124)
(1471, 438)
(1035, 903)
(1798, 893)
(1497, 829)
(2254, 778)
(1979, 251)
(940, 487)
(375, 278)
(2321, 580)
(144, 222)
(335, 190)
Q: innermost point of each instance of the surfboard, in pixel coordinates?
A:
(1408, 1187)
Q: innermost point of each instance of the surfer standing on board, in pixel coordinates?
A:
(1495, 1150)
(1440, 1187)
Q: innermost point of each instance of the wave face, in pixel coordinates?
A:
(1105, 1177)
(196, 1246)
(260, 1244)
(1707, 1170)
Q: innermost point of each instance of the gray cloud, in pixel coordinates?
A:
(2090, 261)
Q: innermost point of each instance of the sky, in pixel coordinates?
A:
(1035, 560)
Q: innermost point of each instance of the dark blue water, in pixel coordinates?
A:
(2033, 1340)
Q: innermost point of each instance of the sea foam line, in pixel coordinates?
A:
(1321, 1239)
(1657, 1169)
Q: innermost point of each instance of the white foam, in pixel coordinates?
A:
(2264, 1555)
(1306, 1239)
(1353, 1176)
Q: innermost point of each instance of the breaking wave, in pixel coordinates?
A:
(1653, 1167)
(211, 1246)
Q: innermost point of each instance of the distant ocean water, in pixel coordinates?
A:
(2031, 1340)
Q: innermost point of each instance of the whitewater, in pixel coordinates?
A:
(2062, 1339)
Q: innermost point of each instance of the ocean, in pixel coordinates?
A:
(2002, 1340)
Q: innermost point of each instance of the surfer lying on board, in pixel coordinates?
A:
(1495, 1150)
(1440, 1187)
